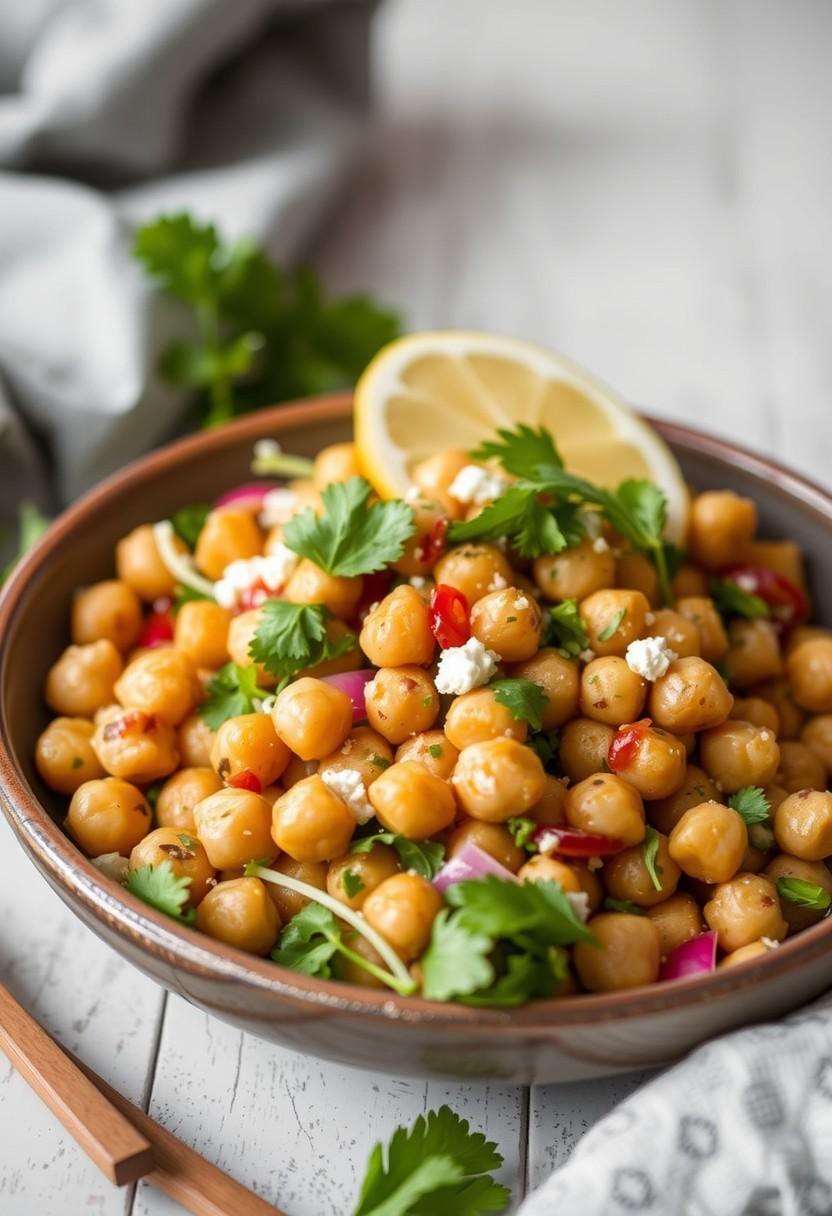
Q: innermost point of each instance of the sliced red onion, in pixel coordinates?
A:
(249, 497)
(353, 683)
(470, 861)
(694, 957)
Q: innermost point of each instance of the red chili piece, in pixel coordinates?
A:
(572, 842)
(787, 603)
(245, 780)
(158, 629)
(449, 620)
(625, 744)
(431, 548)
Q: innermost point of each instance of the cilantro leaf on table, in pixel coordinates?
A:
(520, 451)
(522, 829)
(231, 691)
(353, 536)
(751, 804)
(31, 528)
(437, 1168)
(803, 894)
(731, 600)
(291, 637)
(188, 522)
(564, 628)
(159, 887)
(525, 700)
(424, 857)
(650, 851)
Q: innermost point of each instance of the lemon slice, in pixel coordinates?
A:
(429, 391)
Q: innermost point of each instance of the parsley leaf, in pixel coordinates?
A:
(424, 857)
(525, 700)
(522, 829)
(456, 962)
(290, 637)
(435, 750)
(804, 894)
(231, 692)
(545, 746)
(751, 804)
(526, 976)
(531, 526)
(352, 536)
(501, 907)
(520, 451)
(731, 600)
(188, 522)
(351, 883)
(650, 850)
(159, 887)
(564, 628)
(32, 527)
(622, 905)
(440, 1167)
(612, 628)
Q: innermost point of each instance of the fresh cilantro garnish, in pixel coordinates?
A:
(456, 962)
(309, 941)
(622, 905)
(351, 882)
(231, 692)
(435, 750)
(190, 842)
(564, 628)
(159, 887)
(379, 761)
(439, 1167)
(290, 637)
(731, 600)
(522, 829)
(352, 536)
(545, 746)
(804, 894)
(650, 851)
(263, 334)
(32, 526)
(751, 804)
(525, 700)
(532, 526)
(424, 857)
(520, 451)
(614, 625)
(188, 522)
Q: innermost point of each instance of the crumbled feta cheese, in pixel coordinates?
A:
(521, 602)
(599, 545)
(266, 705)
(473, 484)
(586, 655)
(579, 903)
(462, 668)
(278, 506)
(273, 571)
(112, 866)
(595, 863)
(348, 784)
(418, 581)
(765, 735)
(747, 583)
(769, 943)
(264, 449)
(498, 582)
(650, 657)
(412, 494)
(649, 618)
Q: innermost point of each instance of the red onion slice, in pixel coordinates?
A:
(470, 861)
(353, 683)
(694, 957)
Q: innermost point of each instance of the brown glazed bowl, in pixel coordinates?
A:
(553, 1040)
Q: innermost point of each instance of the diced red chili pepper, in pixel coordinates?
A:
(245, 780)
(787, 603)
(432, 546)
(157, 629)
(625, 744)
(573, 842)
(132, 722)
(449, 619)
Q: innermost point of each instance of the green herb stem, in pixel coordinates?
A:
(282, 464)
(220, 390)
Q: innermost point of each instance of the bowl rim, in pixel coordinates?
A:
(190, 953)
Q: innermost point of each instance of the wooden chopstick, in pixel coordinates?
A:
(109, 1139)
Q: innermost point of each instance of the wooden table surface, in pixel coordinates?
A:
(645, 187)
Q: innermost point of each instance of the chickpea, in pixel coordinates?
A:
(709, 842)
(230, 534)
(180, 794)
(160, 682)
(635, 572)
(240, 913)
(689, 580)
(402, 909)
(492, 838)
(337, 462)
(541, 868)
(64, 755)
(626, 875)
(627, 953)
(549, 810)
(815, 872)
(800, 768)
(809, 669)
(744, 954)
(312, 718)
(108, 611)
(722, 527)
(201, 632)
(435, 475)
(477, 715)
(691, 695)
(134, 745)
(349, 660)
(363, 751)
(474, 570)
(782, 556)
(401, 701)
(584, 746)
(234, 826)
(397, 632)
(311, 823)
(696, 788)
(185, 855)
(508, 622)
(611, 692)
(107, 816)
(607, 806)
(433, 749)
(617, 617)
(735, 754)
(249, 744)
(677, 919)
(658, 765)
(82, 679)
(558, 677)
(576, 572)
(700, 610)
(779, 694)
(195, 742)
(758, 712)
(429, 522)
(289, 903)
(368, 871)
(240, 635)
(298, 770)
(497, 779)
(139, 565)
(753, 652)
(309, 584)
(681, 635)
(817, 734)
(411, 801)
(745, 909)
(803, 824)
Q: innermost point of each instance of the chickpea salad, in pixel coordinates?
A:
(495, 741)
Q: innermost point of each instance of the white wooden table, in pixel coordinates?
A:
(646, 187)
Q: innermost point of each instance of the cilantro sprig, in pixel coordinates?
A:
(352, 535)
(423, 857)
(564, 628)
(163, 890)
(525, 700)
(291, 637)
(522, 829)
(231, 691)
(730, 600)
(804, 894)
(751, 804)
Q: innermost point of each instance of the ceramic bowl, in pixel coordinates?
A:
(554, 1040)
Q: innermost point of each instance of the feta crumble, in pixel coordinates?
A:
(599, 545)
(586, 655)
(278, 506)
(579, 903)
(462, 668)
(418, 581)
(649, 618)
(264, 449)
(498, 583)
(473, 484)
(650, 657)
(412, 494)
(273, 571)
(769, 943)
(348, 784)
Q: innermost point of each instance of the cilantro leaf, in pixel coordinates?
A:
(290, 637)
(646, 508)
(650, 851)
(564, 628)
(622, 905)
(159, 887)
(352, 884)
(500, 907)
(751, 804)
(545, 746)
(804, 894)
(614, 625)
(526, 977)
(456, 961)
(518, 514)
(32, 527)
(231, 692)
(520, 451)
(188, 522)
(352, 536)
(309, 941)
(424, 857)
(525, 700)
(731, 600)
(522, 828)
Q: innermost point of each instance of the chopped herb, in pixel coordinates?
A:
(77, 762)
(159, 887)
(188, 841)
(424, 857)
(614, 626)
(351, 883)
(751, 804)
(565, 629)
(804, 894)
(731, 600)
(231, 691)
(435, 750)
(510, 620)
(650, 851)
(622, 905)
(188, 522)
(290, 637)
(532, 527)
(427, 701)
(525, 700)
(152, 794)
(545, 745)
(379, 761)
(353, 535)
(522, 829)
